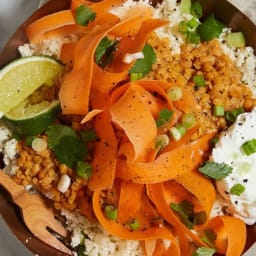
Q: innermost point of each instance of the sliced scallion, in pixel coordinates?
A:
(236, 39)
(219, 110)
(134, 224)
(199, 80)
(110, 212)
(176, 135)
(193, 23)
(233, 114)
(183, 27)
(193, 37)
(237, 189)
(182, 130)
(185, 6)
(188, 121)
(196, 10)
(162, 141)
(249, 147)
(174, 93)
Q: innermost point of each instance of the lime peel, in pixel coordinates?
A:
(23, 76)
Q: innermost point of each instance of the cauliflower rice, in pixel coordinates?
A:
(85, 232)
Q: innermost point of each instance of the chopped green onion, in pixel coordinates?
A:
(237, 189)
(39, 144)
(162, 141)
(199, 80)
(193, 23)
(83, 170)
(197, 10)
(236, 39)
(218, 110)
(176, 135)
(182, 130)
(110, 212)
(210, 28)
(188, 121)
(249, 147)
(135, 76)
(185, 6)
(193, 37)
(183, 27)
(174, 93)
(134, 225)
(233, 114)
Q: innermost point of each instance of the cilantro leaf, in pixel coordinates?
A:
(210, 28)
(204, 251)
(84, 15)
(209, 238)
(88, 135)
(189, 218)
(199, 218)
(144, 65)
(237, 189)
(164, 116)
(104, 51)
(217, 171)
(70, 150)
(56, 132)
(185, 210)
(66, 145)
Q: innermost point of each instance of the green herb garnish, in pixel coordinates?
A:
(84, 15)
(88, 135)
(84, 170)
(134, 224)
(66, 145)
(164, 116)
(185, 211)
(144, 65)
(237, 189)
(204, 251)
(233, 114)
(249, 147)
(196, 10)
(217, 171)
(210, 28)
(110, 212)
(104, 51)
(209, 238)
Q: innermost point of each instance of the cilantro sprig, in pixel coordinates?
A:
(185, 211)
(84, 15)
(164, 116)
(217, 171)
(104, 51)
(144, 66)
(66, 145)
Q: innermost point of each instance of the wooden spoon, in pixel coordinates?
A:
(36, 215)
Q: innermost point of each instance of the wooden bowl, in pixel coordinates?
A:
(223, 11)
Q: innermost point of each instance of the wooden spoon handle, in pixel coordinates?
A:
(11, 186)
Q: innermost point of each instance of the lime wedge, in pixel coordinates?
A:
(23, 76)
(27, 120)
